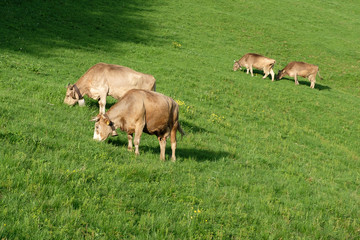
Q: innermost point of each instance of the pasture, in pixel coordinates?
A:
(260, 159)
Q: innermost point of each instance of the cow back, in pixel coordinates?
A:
(160, 111)
(121, 79)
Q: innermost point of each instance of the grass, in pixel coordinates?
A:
(261, 159)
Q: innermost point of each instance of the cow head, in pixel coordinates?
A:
(71, 97)
(102, 127)
(280, 74)
(236, 66)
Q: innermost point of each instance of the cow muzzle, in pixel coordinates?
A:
(97, 137)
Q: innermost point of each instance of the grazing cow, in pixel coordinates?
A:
(302, 69)
(253, 60)
(104, 79)
(141, 111)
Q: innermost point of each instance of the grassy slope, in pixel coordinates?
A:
(260, 160)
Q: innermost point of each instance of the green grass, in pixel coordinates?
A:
(261, 159)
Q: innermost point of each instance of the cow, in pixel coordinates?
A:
(141, 111)
(306, 70)
(253, 60)
(104, 79)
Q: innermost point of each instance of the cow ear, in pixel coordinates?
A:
(95, 119)
(73, 94)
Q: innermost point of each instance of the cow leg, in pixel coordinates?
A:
(266, 71)
(173, 142)
(102, 104)
(138, 131)
(251, 71)
(312, 79)
(272, 74)
(137, 141)
(130, 145)
(247, 70)
(296, 81)
(162, 142)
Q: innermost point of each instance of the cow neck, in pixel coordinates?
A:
(78, 92)
(111, 122)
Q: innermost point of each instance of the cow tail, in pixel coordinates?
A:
(180, 130)
(272, 65)
(320, 75)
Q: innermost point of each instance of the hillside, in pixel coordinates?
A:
(260, 160)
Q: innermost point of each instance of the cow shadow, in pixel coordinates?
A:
(192, 127)
(318, 86)
(257, 72)
(199, 155)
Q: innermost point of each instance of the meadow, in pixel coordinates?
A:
(260, 159)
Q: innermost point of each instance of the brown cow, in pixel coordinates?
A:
(141, 111)
(253, 60)
(104, 79)
(306, 70)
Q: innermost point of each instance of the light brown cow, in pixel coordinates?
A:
(104, 79)
(253, 60)
(141, 111)
(306, 70)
